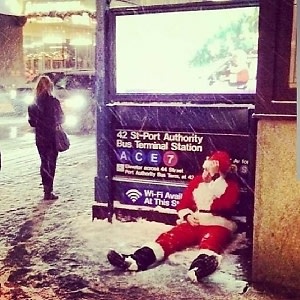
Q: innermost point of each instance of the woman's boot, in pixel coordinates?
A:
(48, 194)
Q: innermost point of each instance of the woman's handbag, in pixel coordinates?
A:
(62, 139)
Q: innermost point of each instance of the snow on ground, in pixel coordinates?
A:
(127, 237)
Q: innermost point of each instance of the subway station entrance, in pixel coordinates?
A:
(168, 99)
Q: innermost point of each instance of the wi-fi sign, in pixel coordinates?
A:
(133, 194)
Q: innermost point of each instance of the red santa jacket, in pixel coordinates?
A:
(210, 202)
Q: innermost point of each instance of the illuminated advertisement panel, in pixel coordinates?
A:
(209, 51)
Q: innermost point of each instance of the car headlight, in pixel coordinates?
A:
(76, 102)
(71, 121)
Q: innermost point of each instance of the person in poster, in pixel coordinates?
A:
(204, 212)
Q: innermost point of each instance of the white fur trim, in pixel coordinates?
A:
(179, 221)
(183, 212)
(203, 196)
(132, 264)
(157, 249)
(210, 252)
(192, 275)
(218, 186)
(209, 219)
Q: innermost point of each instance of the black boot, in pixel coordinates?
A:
(48, 192)
(50, 196)
(118, 260)
(140, 260)
(203, 266)
(144, 257)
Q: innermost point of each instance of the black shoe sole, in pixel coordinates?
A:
(117, 260)
(204, 265)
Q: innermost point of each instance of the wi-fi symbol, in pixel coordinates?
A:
(133, 194)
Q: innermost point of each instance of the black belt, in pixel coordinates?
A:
(216, 213)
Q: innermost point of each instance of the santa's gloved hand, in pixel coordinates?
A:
(211, 167)
(192, 219)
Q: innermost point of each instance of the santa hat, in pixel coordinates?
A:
(224, 160)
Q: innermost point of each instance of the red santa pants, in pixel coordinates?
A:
(184, 235)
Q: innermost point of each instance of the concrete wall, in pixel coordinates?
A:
(276, 253)
(11, 49)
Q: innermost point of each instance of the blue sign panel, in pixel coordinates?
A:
(173, 156)
(149, 195)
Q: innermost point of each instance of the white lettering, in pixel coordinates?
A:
(148, 201)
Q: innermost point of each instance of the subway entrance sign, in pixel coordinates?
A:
(157, 149)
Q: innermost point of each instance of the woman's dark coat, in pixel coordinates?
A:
(45, 115)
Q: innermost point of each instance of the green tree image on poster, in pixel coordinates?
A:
(240, 34)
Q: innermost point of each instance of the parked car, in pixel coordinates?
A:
(22, 95)
(76, 92)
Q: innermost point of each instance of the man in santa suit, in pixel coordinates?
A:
(204, 220)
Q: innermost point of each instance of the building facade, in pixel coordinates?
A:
(59, 34)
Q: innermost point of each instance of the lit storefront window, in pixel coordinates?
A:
(58, 35)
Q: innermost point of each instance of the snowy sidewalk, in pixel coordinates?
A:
(53, 249)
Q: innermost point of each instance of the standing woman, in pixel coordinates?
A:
(45, 114)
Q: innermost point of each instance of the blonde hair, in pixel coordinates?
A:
(44, 85)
